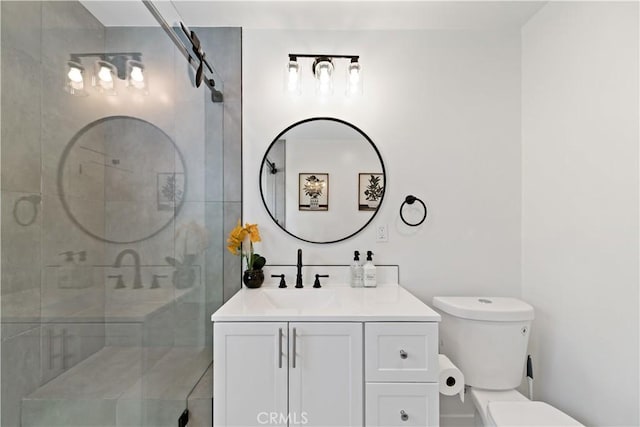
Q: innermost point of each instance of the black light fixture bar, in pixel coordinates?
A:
(294, 56)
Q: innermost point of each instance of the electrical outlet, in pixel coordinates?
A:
(382, 234)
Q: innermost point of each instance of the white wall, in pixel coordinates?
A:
(443, 107)
(580, 206)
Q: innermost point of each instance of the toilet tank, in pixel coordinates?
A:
(486, 338)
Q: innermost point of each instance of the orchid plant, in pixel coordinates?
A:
(240, 242)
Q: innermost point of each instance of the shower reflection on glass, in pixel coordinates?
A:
(97, 327)
(137, 280)
(131, 164)
(25, 210)
(107, 69)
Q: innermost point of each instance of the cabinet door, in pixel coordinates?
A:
(249, 374)
(402, 404)
(325, 374)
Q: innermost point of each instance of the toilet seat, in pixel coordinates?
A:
(528, 414)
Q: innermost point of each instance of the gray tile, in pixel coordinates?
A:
(20, 121)
(215, 254)
(232, 265)
(134, 220)
(200, 403)
(22, 26)
(20, 373)
(123, 334)
(68, 413)
(21, 228)
(81, 340)
(64, 117)
(67, 27)
(214, 159)
(21, 295)
(159, 328)
(60, 234)
(10, 330)
(225, 47)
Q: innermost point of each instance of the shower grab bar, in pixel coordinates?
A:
(216, 95)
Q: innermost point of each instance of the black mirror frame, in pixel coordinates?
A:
(264, 158)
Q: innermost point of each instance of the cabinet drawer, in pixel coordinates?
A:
(399, 352)
(402, 404)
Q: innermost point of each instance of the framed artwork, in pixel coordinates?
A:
(313, 191)
(370, 191)
(170, 190)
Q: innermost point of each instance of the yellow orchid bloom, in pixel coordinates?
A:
(236, 236)
(254, 234)
(241, 240)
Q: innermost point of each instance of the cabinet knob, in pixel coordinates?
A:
(403, 354)
(403, 415)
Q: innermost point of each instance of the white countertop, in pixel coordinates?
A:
(331, 303)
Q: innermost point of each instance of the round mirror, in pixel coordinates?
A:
(322, 180)
(129, 166)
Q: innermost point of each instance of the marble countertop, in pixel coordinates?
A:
(332, 303)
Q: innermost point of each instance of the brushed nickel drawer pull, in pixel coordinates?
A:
(403, 354)
(404, 416)
(293, 364)
(280, 348)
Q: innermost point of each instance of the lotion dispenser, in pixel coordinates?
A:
(356, 271)
(369, 272)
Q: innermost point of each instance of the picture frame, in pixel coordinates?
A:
(313, 191)
(370, 190)
(170, 190)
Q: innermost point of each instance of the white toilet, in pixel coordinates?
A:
(487, 339)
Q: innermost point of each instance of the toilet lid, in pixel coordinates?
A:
(529, 413)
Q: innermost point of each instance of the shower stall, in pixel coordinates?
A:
(119, 180)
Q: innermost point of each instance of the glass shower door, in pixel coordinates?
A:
(117, 187)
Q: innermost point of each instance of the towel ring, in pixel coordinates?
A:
(409, 200)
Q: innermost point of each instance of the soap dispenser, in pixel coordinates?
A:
(356, 271)
(369, 272)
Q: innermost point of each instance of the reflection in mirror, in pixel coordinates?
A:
(133, 167)
(322, 180)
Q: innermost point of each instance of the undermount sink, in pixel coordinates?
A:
(301, 298)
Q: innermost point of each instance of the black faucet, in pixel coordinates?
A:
(299, 273)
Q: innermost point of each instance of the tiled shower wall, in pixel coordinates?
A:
(38, 121)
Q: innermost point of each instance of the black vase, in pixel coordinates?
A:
(253, 278)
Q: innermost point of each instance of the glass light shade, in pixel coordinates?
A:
(323, 71)
(354, 79)
(136, 78)
(293, 83)
(103, 79)
(75, 79)
(75, 75)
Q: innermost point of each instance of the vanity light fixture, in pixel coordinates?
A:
(107, 69)
(323, 69)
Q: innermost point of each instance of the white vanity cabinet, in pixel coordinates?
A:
(288, 374)
(331, 357)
